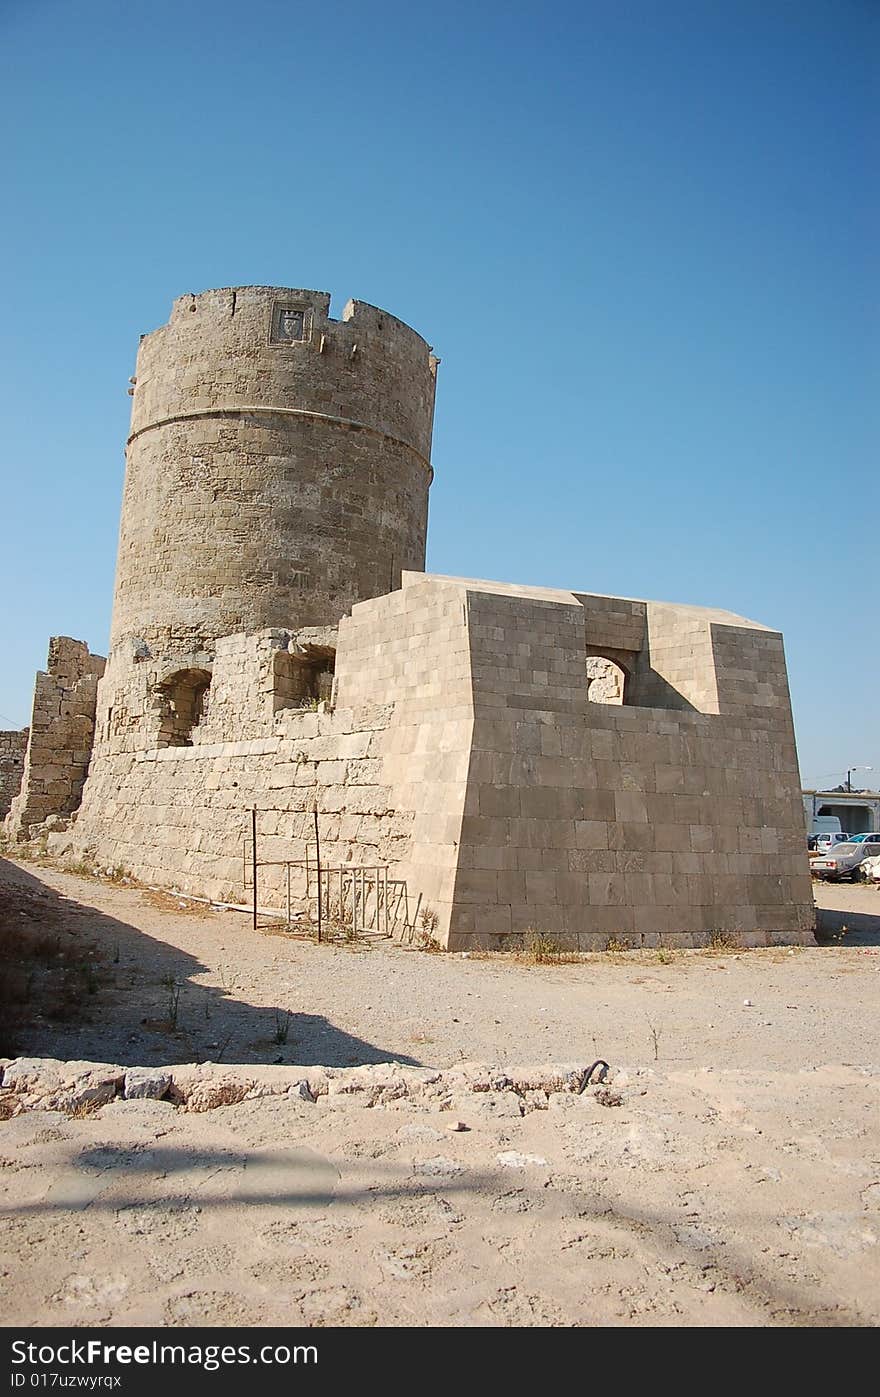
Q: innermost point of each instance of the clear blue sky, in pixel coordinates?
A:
(641, 234)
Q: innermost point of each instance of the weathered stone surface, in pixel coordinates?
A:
(62, 1086)
(478, 1089)
(254, 459)
(224, 1091)
(301, 1090)
(146, 1082)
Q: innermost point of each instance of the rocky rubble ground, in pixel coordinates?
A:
(50, 1084)
(397, 1196)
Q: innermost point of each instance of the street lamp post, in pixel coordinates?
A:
(850, 772)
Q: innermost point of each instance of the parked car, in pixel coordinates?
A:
(845, 860)
(860, 838)
(825, 842)
(871, 869)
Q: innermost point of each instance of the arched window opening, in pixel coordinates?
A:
(184, 703)
(606, 681)
(303, 678)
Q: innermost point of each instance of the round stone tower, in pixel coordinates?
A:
(277, 469)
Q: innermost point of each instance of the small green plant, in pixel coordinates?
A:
(665, 957)
(282, 1026)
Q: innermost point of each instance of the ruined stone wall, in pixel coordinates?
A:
(386, 767)
(180, 816)
(13, 746)
(249, 682)
(60, 738)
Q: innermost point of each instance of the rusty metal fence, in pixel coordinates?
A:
(356, 901)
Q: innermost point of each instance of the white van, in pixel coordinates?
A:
(824, 833)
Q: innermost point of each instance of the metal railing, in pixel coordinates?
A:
(359, 901)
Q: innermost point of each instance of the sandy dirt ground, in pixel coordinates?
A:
(737, 1182)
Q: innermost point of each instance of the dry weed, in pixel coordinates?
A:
(617, 943)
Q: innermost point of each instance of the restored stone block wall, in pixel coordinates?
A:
(636, 825)
(60, 738)
(581, 820)
(411, 649)
(588, 821)
(13, 746)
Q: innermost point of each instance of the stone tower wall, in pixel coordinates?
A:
(277, 469)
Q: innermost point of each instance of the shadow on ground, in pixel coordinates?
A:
(847, 928)
(138, 1001)
(154, 1184)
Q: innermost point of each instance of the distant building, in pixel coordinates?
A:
(857, 811)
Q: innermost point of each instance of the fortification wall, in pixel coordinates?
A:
(647, 822)
(385, 768)
(464, 753)
(13, 745)
(180, 816)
